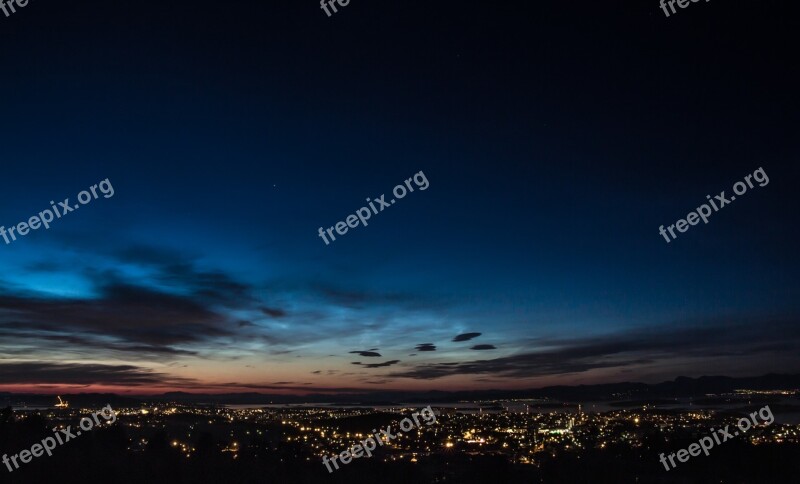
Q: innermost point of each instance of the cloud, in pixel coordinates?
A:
(26, 341)
(176, 310)
(273, 312)
(147, 255)
(176, 269)
(483, 347)
(377, 365)
(466, 337)
(125, 317)
(303, 387)
(425, 347)
(370, 354)
(83, 374)
(763, 339)
(360, 299)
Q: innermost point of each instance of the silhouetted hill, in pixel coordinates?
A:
(680, 387)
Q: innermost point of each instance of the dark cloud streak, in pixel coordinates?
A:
(466, 337)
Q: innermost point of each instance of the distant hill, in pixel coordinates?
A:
(680, 387)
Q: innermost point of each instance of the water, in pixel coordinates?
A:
(537, 406)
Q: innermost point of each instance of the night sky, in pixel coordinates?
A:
(556, 137)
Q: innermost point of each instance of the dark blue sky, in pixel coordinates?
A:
(556, 140)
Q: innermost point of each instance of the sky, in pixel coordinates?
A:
(553, 141)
